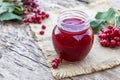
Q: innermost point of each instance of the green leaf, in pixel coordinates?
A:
(9, 16)
(6, 6)
(97, 25)
(109, 15)
(101, 15)
(103, 19)
(118, 22)
(19, 10)
(97, 29)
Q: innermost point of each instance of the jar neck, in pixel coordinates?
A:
(73, 21)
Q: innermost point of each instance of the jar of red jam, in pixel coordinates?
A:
(72, 36)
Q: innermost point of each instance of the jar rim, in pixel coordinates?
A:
(68, 11)
(73, 13)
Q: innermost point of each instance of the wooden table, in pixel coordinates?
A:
(21, 59)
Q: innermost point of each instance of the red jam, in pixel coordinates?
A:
(72, 38)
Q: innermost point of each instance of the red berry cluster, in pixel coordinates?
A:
(56, 62)
(37, 17)
(31, 7)
(30, 3)
(110, 36)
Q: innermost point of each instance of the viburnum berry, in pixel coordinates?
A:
(56, 62)
(35, 10)
(42, 32)
(54, 65)
(116, 31)
(104, 43)
(110, 36)
(43, 27)
(112, 43)
(118, 44)
(26, 12)
(39, 17)
(33, 18)
(104, 30)
(43, 13)
(110, 26)
(39, 22)
(104, 36)
(38, 11)
(30, 20)
(43, 17)
(59, 60)
(117, 38)
(47, 15)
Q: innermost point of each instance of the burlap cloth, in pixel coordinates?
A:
(99, 58)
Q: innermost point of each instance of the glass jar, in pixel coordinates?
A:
(72, 36)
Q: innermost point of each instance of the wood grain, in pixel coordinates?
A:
(20, 58)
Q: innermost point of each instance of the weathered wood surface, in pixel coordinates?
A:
(21, 59)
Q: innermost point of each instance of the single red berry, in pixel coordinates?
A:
(35, 21)
(43, 17)
(33, 17)
(59, 60)
(103, 36)
(43, 13)
(112, 43)
(110, 26)
(26, 12)
(108, 35)
(38, 11)
(30, 20)
(39, 21)
(25, 20)
(100, 34)
(117, 38)
(101, 42)
(104, 30)
(43, 27)
(31, 9)
(118, 44)
(47, 15)
(39, 17)
(42, 32)
(104, 43)
(54, 60)
(109, 31)
(32, 4)
(36, 5)
(54, 65)
(116, 30)
(35, 10)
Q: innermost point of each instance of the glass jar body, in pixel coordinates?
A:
(72, 42)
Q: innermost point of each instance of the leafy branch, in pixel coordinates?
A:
(105, 18)
(9, 10)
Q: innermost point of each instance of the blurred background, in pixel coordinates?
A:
(60, 4)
